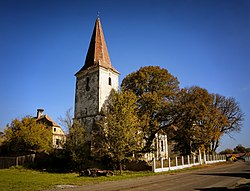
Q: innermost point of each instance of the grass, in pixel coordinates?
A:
(21, 179)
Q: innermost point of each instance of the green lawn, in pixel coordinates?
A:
(21, 179)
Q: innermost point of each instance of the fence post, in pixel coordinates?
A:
(200, 158)
(169, 163)
(188, 160)
(154, 165)
(205, 159)
(176, 161)
(182, 160)
(193, 159)
(16, 161)
(162, 163)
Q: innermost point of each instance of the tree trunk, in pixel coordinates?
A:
(120, 168)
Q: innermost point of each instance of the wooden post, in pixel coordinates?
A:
(162, 163)
(154, 165)
(169, 163)
(16, 161)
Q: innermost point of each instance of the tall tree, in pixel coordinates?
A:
(118, 134)
(231, 118)
(76, 146)
(155, 89)
(27, 135)
(193, 106)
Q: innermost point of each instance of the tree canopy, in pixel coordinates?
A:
(193, 116)
(27, 135)
(155, 89)
(118, 134)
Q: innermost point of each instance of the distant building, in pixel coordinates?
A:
(94, 82)
(58, 135)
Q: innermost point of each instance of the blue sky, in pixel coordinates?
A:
(43, 43)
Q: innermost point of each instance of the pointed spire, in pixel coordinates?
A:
(97, 53)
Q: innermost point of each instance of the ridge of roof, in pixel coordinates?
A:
(49, 119)
(97, 54)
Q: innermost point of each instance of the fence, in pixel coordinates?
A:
(185, 162)
(6, 162)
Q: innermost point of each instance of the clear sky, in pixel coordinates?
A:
(43, 43)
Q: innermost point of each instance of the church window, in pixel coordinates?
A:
(162, 146)
(109, 81)
(87, 84)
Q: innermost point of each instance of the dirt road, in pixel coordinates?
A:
(220, 178)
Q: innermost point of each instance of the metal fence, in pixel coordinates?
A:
(6, 162)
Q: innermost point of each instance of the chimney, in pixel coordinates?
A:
(39, 113)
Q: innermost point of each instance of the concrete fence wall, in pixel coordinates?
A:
(6, 162)
(181, 162)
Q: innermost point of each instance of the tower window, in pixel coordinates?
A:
(109, 81)
(87, 84)
(162, 146)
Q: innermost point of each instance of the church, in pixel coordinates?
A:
(94, 82)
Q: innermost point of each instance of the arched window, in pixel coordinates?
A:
(109, 81)
(87, 84)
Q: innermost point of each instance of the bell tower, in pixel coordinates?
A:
(95, 80)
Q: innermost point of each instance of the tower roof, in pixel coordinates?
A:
(98, 52)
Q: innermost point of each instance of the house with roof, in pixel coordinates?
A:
(58, 135)
(94, 82)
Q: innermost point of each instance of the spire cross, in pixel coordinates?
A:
(98, 14)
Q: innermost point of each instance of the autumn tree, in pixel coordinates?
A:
(155, 89)
(117, 134)
(26, 135)
(194, 114)
(231, 120)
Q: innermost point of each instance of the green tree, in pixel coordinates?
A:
(226, 151)
(76, 145)
(117, 134)
(239, 149)
(155, 89)
(27, 135)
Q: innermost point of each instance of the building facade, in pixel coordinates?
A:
(58, 135)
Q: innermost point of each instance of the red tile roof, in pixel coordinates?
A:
(98, 52)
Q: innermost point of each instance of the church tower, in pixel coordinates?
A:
(94, 80)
